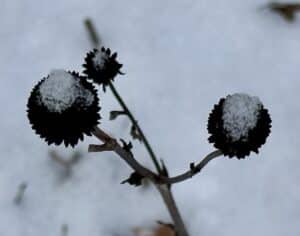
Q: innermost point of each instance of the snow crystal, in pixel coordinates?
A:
(99, 59)
(240, 115)
(60, 91)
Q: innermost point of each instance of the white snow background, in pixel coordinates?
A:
(180, 58)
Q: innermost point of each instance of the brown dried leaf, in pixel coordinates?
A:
(135, 133)
(286, 10)
(164, 230)
(160, 230)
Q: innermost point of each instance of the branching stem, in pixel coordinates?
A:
(157, 179)
(135, 124)
(95, 39)
(162, 182)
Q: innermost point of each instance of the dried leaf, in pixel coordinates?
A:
(286, 10)
(126, 146)
(135, 133)
(134, 179)
(193, 168)
(114, 114)
(161, 230)
(164, 230)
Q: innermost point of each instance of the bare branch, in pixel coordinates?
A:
(135, 165)
(194, 169)
(94, 37)
(98, 148)
(168, 198)
(125, 155)
(139, 132)
(109, 145)
(162, 182)
(101, 135)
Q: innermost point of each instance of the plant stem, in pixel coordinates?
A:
(163, 188)
(94, 36)
(95, 39)
(111, 144)
(169, 200)
(166, 194)
(193, 171)
(135, 124)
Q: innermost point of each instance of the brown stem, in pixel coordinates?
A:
(193, 171)
(135, 124)
(94, 37)
(121, 152)
(161, 182)
(162, 188)
(111, 144)
(126, 156)
(168, 198)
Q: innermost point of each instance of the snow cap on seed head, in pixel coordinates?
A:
(239, 124)
(60, 91)
(63, 107)
(101, 66)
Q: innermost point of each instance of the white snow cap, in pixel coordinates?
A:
(240, 115)
(60, 90)
(99, 59)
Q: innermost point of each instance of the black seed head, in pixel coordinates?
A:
(242, 146)
(66, 117)
(101, 66)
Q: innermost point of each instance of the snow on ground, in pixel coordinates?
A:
(179, 57)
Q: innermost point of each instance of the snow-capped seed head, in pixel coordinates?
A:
(240, 115)
(101, 66)
(238, 125)
(61, 90)
(63, 107)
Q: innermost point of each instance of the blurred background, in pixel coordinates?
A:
(180, 58)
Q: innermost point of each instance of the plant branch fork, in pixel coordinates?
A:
(111, 144)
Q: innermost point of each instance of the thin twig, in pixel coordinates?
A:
(193, 170)
(166, 193)
(135, 124)
(125, 155)
(163, 188)
(157, 179)
(168, 198)
(94, 36)
(161, 182)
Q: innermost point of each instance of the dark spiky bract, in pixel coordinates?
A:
(240, 148)
(105, 74)
(68, 126)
